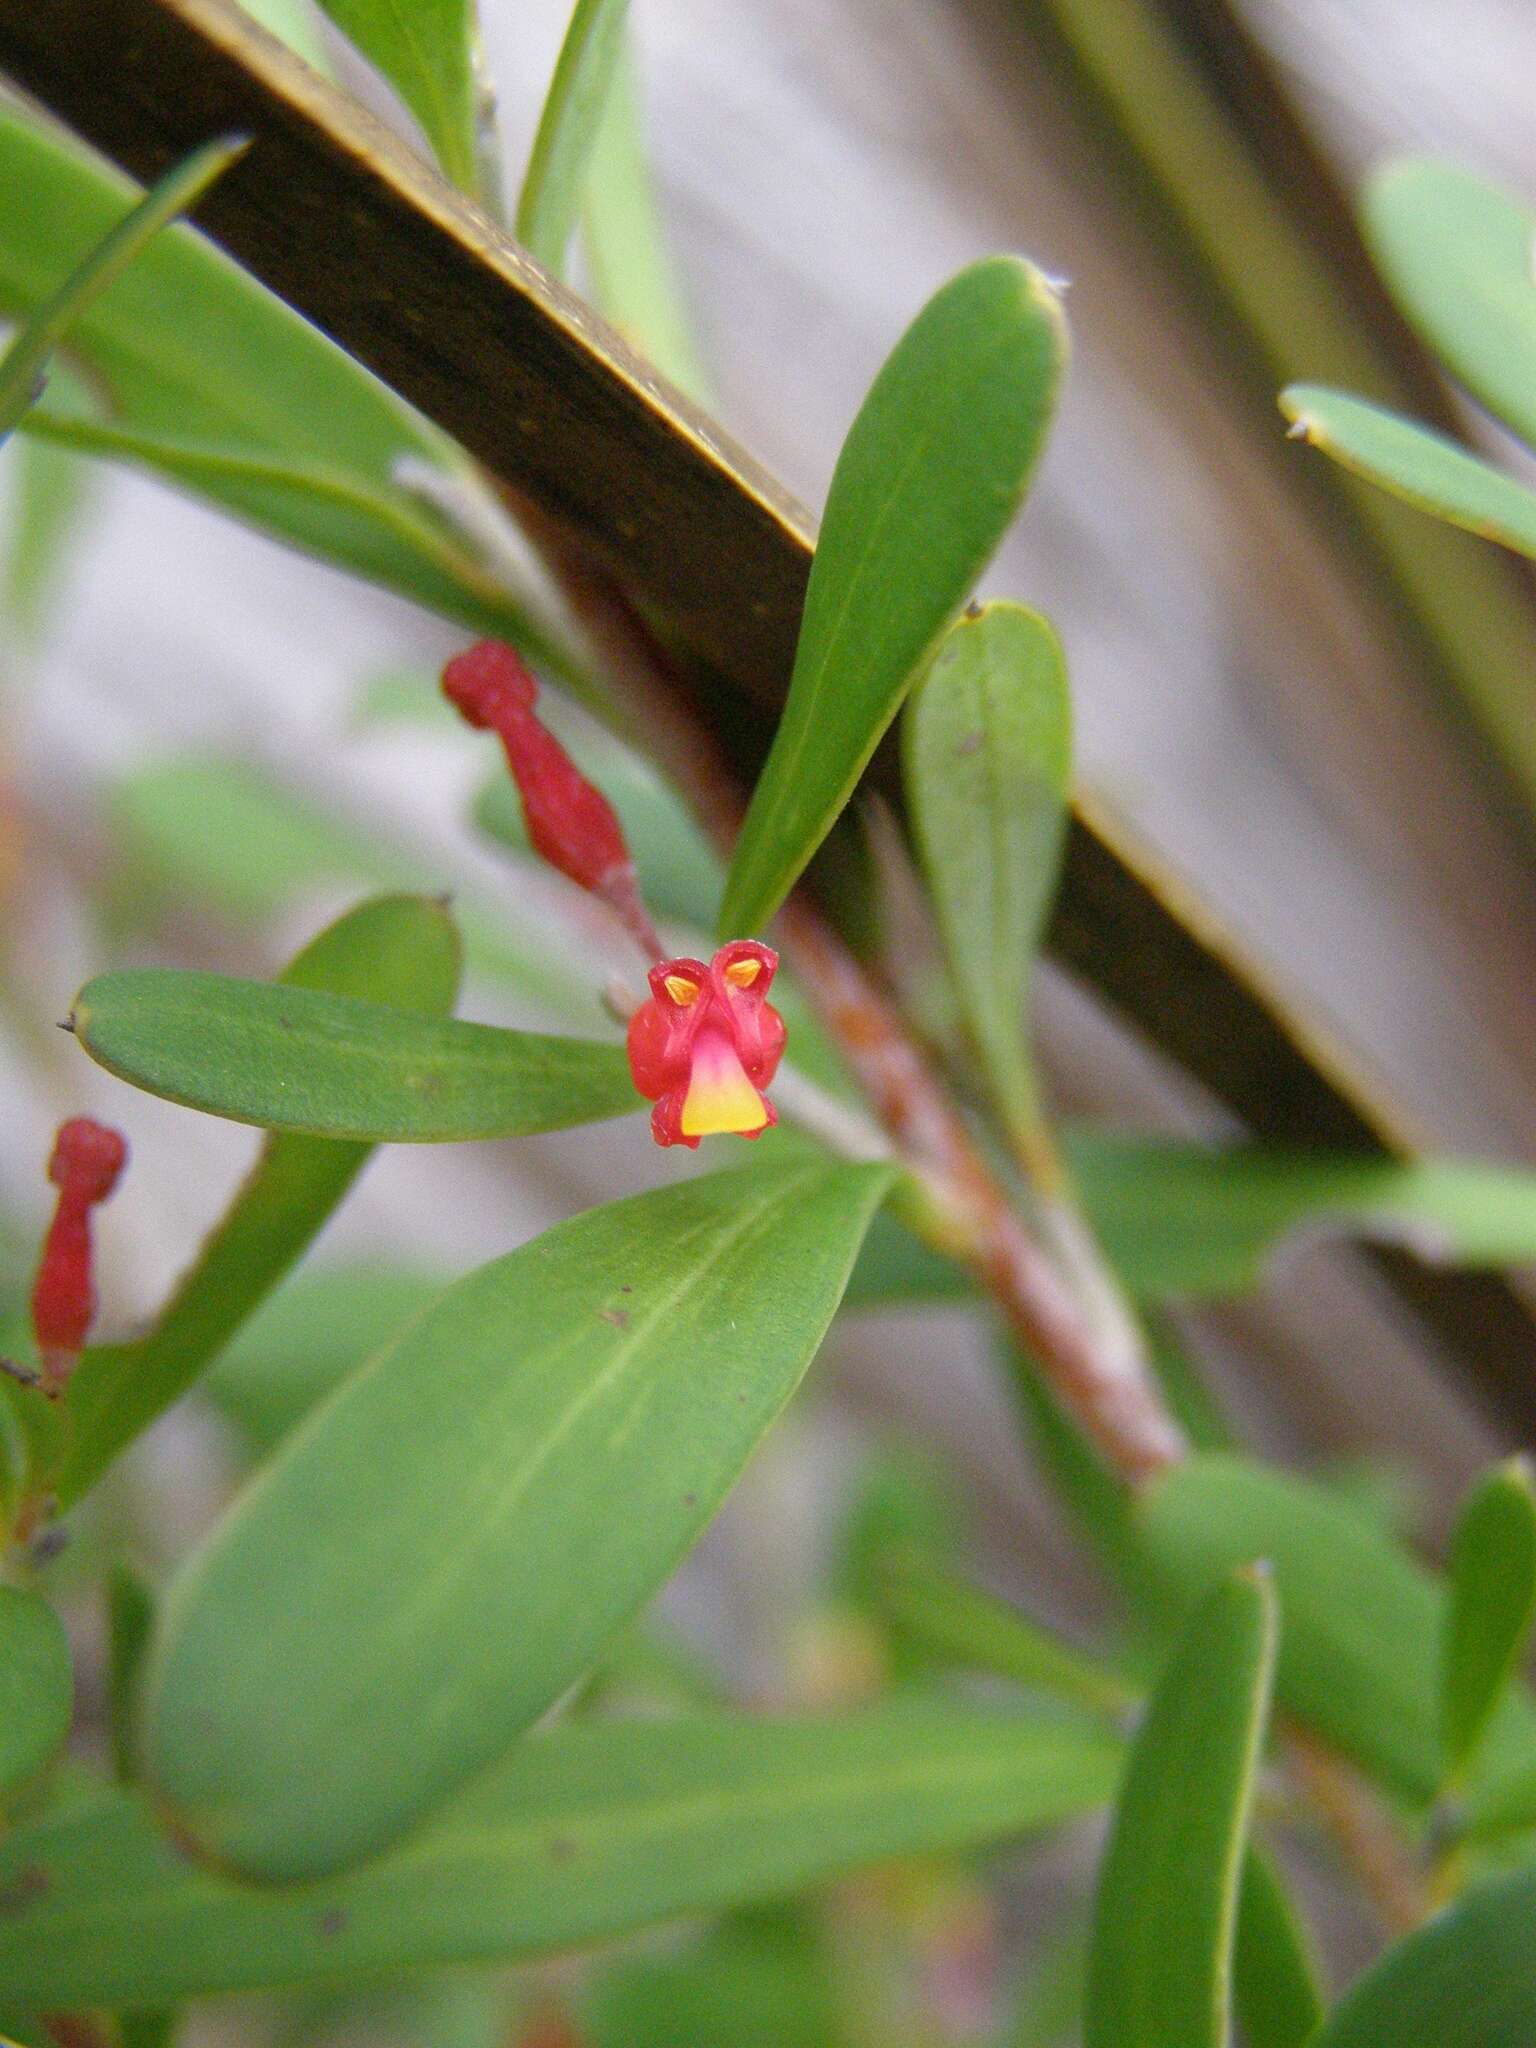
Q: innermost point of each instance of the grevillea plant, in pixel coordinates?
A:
(407, 1713)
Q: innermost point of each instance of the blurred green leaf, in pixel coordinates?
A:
(1456, 252)
(329, 1066)
(400, 950)
(455, 1538)
(934, 468)
(24, 363)
(1274, 1978)
(304, 1341)
(295, 23)
(1466, 1979)
(1165, 1921)
(550, 203)
(961, 1624)
(426, 49)
(762, 1980)
(1492, 1601)
(1049, 2011)
(634, 280)
(189, 351)
(572, 1837)
(1360, 1617)
(897, 1270)
(36, 1686)
(49, 494)
(1425, 468)
(1180, 1219)
(130, 1617)
(987, 748)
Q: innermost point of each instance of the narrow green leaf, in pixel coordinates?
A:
(987, 746)
(335, 1067)
(304, 1341)
(49, 499)
(1165, 1921)
(458, 1534)
(634, 280)
(36, 1686)
(964, 1625)
(1466, 1979)
(295, 23)
(1356, 1661)
(24, 363)
(1425, 468)
(933, 470)
(550, 202)
(130, 1617)
(426, 49)
(187, 348)
(573, 1837)
(1491, 1606)
(1274, 1976)
(399, 950)
(1456, 252)
(1186, 1220)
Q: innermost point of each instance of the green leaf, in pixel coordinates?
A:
(634, 280)
(1165, 1921)
(304, 1341)
(964, 1625)
(50, 492)
(1457, 254)
(1186, 1220)
(1274, 1976)
(762, 1980)
(191, 354)
(399, 950)
(25, 362)
(1360, 1617)
(897, 1270)
(1491, 1606)
(1425, 468)
(36, 1686)
(293, 22)
(987, 742)
(335, 1067)
(933, 470)
(573, 1837)
(550, 202)
(130, 1617)
(458, 1534)
(1466, 1979)
(426, 49)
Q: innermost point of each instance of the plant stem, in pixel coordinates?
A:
(1366, 1839)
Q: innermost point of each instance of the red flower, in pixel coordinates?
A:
(707, 1044)
(87, 1159)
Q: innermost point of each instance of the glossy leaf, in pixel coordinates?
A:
(36, 1686)
(572, 1837)
(961, 1624)
(426, 49)
(1465, 1979)
(933, 470)
(1492, 1602)
(634, 279)
(550, 203)
(337, 1067)
(1165, 1920)
(1188, 1220)
(399, 950)
(186, 347)
(1456, 252)
(1356, 1658)
(23, 366)
(1275, 1989)
(987, 743)
(476, 1514)
(1425, 468)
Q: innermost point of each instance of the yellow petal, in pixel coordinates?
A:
(720, 1097)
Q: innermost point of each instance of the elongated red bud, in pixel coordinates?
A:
(571, 824)
(87, 1160)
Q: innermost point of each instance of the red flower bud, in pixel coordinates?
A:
(707, 1044)
(571, 823)
(87, 1160)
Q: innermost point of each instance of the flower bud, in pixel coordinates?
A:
(87, 1159)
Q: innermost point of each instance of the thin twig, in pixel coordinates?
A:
(1366, 1838)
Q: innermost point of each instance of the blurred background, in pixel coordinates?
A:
(1246, 695)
